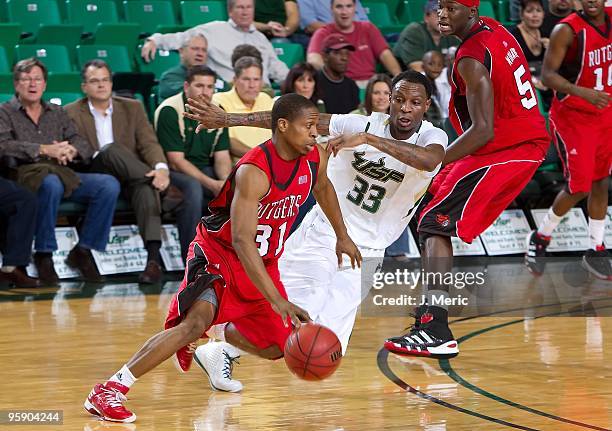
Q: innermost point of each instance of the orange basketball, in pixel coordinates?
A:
(313, 352)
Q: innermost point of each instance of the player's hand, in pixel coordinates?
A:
(161, 178)
(287, 309)
(600, 99)
(148, 51)
(348, 247)
(209, 115)
(346, 141)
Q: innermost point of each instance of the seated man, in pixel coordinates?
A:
(245, 96)
(44, 140)
(200, 162)
(277, 19)
(315, 14)
(193, 52)
(18, 220)
(419, 37)
(367, 39)
(126, 147)
(340, 93)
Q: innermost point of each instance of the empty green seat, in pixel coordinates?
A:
(411, 11)
(199, 12)
(32, 13)
(6, 83)
(378, 13)
(68, 35)
(9, 34)
(55, 57)
(64, 82)
(5, 66)
(289, 53)
(164, 60)
(116, 56)
(150, 14)
(89, 13)
(486, 9)
(125, 33)
(61, 98)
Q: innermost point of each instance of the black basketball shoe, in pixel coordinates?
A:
(429, 337)
(597, 262)
(536, 252)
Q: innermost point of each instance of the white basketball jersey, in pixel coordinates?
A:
(378, 194)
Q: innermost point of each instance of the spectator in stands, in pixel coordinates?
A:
(193, 52)
(419, 37)
(277, 19)
(302, 79)
(529, 37)
(126, 147)
(433, 68)
(43, 139)
(340, 93)
(226, 35)
(364, 36)
(377, 95)
(18, 220)
(200, 162)
(557, 10)
(245, 50)
(315, 14)
(245, 96)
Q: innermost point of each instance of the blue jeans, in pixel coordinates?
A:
(17, 221)
(98, 191)
(400, 247)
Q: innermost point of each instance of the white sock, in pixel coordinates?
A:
(217, 332)
(550, 222)
(7, 269)
(596, 232)
(124, 376)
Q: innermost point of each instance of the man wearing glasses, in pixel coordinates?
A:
(45, 144)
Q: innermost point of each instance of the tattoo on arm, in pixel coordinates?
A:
(261, 119)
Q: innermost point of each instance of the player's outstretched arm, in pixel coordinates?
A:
(251, 184)
(561, 40)
(327, 199)
(479, 94)
(425, 158)
(210, 116)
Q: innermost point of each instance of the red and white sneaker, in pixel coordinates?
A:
(106, 401)
(184, 357)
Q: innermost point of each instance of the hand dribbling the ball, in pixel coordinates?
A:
(287, 309)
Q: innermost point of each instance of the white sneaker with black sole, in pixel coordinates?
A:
(217, 358)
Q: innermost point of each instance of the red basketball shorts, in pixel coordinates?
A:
(468, 195)
(584, 144)
(212, 266)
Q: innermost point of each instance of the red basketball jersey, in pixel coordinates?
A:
(516, 117)
(290, 184)
(589, 63)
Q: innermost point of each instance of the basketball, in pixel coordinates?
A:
(313, 352)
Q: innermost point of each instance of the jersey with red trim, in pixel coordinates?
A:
(290, 184)
(517, 118)
(591, 65)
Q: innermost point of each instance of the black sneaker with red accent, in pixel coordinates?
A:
(597, 262)
(536, 252)
(430, 338)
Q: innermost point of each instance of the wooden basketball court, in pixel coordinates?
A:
(542, 371)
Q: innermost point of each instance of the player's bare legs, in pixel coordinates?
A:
(596, 259)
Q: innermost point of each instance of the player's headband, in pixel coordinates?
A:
(469, 3)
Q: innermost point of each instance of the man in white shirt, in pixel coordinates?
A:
(382, 168)
(223, 37)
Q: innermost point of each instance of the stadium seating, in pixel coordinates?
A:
(65, 82)
(410, 11)
(89, 13)
(5, 66)
(150, 14)
(9, 37)
(200, 12)
(31, 14)
(379, 14)
(164, 60)
(116, 56)
(61, 98)
(486, 9)
(289, 53)
(55, 57)
(124, 33)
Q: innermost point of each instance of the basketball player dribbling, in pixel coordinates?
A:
(502, 141)
(232, 272)
(578, 66)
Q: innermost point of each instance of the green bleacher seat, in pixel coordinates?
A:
(68, 35)
(61, 98)
(116, 56)
(125, 33)
(378, 13)
(411, 11)
(199, 12)
(164, 60)
(9, 37)
(89, 13)
(289, 53)
(150, 14)
(32, 13)
(6, 83)
(67, 82)
(55, 57)
(503, 12)
(5, 65)
(486, 9)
